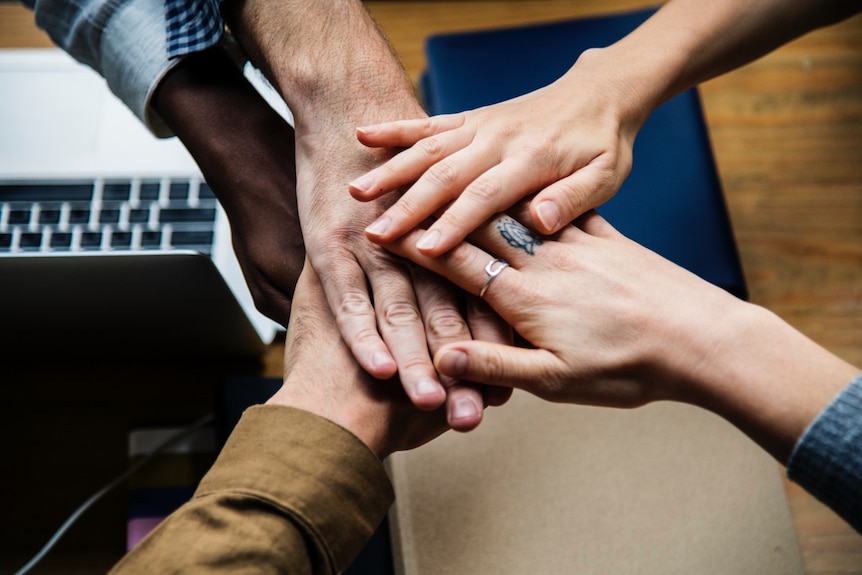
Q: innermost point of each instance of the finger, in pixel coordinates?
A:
(561, 202)
(440, 183)
(508, 239)
(400, 324)
(344, 283)
(533, 370)
(404, 133)
(486, 325)
(444, 323)
(408, 166)
(495, 191)
(464, 266)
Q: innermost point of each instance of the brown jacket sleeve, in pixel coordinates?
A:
(290, 493)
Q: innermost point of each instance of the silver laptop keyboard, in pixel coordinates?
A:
(107, 215)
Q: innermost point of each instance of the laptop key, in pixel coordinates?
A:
(116, 190)
(120, 240)
(205, 192)
(151, 239)
(179, 190)
(79, 214)
(91, 240)
(49, 214)
(30, 242)
(5, 242)
(139, 216)
(192, 238)
(109, 216)
(150, 190)
(52, 191)
(61, 241)
(19, 217)
(176, 215)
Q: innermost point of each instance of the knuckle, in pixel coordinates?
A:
(354, 304)
(430, 147)
(414, 362)
(458, 259)
(410, 208)
(442, 175)
(484, 191)
(427, 125)
(399, 314)
(538, 153)
(445, 325)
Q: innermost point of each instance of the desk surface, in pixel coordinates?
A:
(787, 135)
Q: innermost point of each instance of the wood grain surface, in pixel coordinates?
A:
(787, 136)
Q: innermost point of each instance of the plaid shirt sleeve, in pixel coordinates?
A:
(192, 26)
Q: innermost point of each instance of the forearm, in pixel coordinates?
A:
(328, 59)
(687, 42)
(759, 373)
(245, 151)
(292, 490)
(230, 130)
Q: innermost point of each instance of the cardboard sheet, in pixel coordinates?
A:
(561, 489)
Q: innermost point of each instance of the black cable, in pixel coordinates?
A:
(170, 442)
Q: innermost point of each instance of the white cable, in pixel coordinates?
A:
(170, 442)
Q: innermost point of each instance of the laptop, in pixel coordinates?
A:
(111, 243)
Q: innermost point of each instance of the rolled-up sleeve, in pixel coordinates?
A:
(125, 41)
(290, 493)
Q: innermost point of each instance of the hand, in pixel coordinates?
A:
(329, 66)
(615, 324)
(246, 153)
(570, 141)
(377, 412)
(389, 316)
(585, 300)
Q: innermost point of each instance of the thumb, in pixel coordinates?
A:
(533, 370)
(563, 201)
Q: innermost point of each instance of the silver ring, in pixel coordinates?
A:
(492, 272)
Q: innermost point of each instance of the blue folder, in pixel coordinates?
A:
(672, 202)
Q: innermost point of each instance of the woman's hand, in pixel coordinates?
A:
(570, 141)
(609, 319)
(615, 324)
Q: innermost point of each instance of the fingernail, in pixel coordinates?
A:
(363, 183)
(381, 360)
(367, 130)
(453, 363)
(549, 215)
(427, 387)
(380, 226)
(465, 409)
(429, 240)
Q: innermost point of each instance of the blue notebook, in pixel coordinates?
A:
(672, 202)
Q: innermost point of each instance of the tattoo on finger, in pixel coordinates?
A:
(518, 236)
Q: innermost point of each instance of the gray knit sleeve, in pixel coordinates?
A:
(827, 460)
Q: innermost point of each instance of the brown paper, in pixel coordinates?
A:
(559, 489)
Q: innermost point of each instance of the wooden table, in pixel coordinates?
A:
(787, 135)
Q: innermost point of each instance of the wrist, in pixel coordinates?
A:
(765, 377)
(332, 66)
(632, 83)
(352, 416)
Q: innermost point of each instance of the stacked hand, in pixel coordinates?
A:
(570, 141)
(377, 411)
(615, 324)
